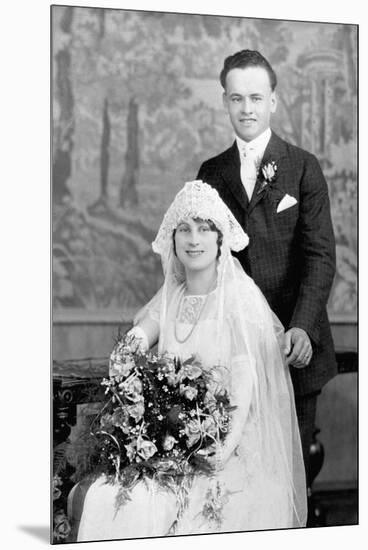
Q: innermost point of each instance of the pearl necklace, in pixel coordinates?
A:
(179, 308)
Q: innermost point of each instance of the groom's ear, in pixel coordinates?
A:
(273, 102)
(224, 101)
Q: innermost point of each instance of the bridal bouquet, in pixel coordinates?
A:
(162, 417)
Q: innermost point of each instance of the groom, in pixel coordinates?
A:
(278, 194)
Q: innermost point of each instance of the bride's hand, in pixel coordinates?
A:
(137, 340)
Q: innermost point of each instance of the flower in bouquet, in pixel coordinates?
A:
(193, 432)
(132, 387)
(190, 392)
(210, 401)
(131, 450)
(210, 426)
(192, 371)
(145, 448)
(168, 370)
(169, 443)
(136, 411)
(121, 360)
(217, 382)
(119, 418)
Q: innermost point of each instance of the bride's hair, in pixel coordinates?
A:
(213, 227)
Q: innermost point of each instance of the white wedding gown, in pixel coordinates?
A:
(253, 497)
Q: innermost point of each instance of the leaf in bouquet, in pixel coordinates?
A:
(132, 474)
(229, 408)
(173, 416)
(123, 497)
(167, 466)
(167, 481)
(120, 336)
(201, 465)
(192, 360)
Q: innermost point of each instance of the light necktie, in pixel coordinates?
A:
(248, 169)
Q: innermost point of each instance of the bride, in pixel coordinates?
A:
(210, 307)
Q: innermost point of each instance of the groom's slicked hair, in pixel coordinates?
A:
(247, 58)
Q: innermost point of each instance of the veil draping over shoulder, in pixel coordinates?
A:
(256, 337)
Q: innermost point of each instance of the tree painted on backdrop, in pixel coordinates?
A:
(146, 111)
(63, 135)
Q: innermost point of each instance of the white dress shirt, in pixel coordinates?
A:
(251, 154)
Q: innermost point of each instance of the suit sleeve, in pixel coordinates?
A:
(202, 173)
(317, 244)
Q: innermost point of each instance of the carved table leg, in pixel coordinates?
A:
(64, 415)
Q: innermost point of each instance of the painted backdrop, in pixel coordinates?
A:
(137, 107)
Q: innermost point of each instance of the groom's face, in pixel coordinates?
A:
(249, 101)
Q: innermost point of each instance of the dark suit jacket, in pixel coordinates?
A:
(291, 254)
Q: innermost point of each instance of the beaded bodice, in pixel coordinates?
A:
(190, 309)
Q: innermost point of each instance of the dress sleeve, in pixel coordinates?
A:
(152, 309)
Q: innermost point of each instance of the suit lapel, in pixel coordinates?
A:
(230, 170)
(275, 151)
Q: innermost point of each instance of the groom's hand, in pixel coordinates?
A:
(297, 348)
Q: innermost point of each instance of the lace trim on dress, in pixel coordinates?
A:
(191, 309)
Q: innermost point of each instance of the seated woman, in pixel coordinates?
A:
(209, 307)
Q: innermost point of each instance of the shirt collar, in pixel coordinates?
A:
(259, 144)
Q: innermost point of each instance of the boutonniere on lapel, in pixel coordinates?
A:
(269, 173)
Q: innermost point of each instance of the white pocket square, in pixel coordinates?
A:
(286, 202)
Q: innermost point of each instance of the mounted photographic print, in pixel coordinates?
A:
(204, 217)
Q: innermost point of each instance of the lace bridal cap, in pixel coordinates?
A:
(199, 200)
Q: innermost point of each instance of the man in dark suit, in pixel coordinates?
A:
(279, 195)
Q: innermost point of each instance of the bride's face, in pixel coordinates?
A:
(196, 244)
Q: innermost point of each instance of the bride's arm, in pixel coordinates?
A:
(146, 325)
(144, 335)
(150, 328)
(153, 306)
